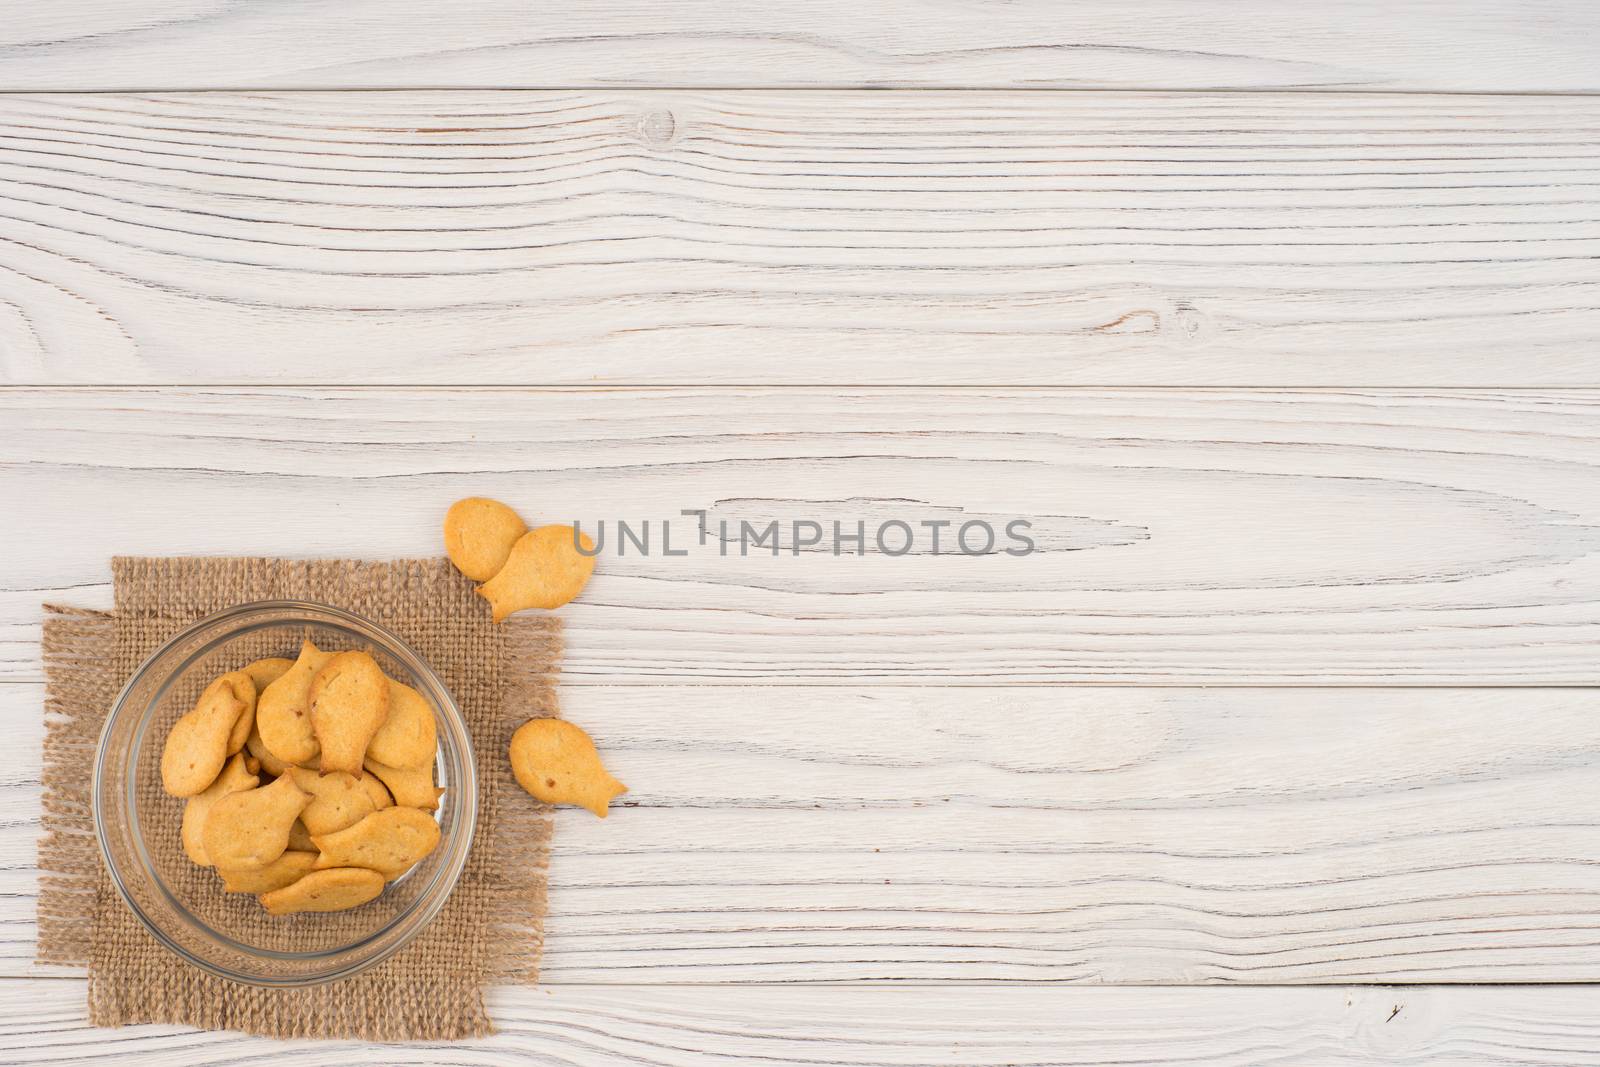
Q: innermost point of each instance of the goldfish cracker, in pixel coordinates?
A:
(285, 870)
(557, 763)
(264, 672)
(338, 800)
(235, 777)
(409, 736)
(478, 535)
(250, 829)
(327, 890)
(197, 746)
(410, 788)
(545, 570)
(283, 713)
(244, 690)
(390, 842)
(349, 701)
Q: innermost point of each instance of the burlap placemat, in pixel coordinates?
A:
(490, 930)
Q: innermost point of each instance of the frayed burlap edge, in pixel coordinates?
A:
(521, 830)
(76, 645)
(514, 838)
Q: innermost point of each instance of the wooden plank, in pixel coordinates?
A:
(1467, 45)
(537, 238)
(1095, 835)
(42, 1022)
(1248, 537)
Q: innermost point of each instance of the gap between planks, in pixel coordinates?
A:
(940, 387)
(672, 683)
(777, 87)
(79, 974)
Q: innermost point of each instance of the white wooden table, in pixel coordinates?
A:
(1280, 323)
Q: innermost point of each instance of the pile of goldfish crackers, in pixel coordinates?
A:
(310, 781)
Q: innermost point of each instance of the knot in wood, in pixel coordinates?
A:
(657, 128)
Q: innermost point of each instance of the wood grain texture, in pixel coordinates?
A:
(1466, 45)
(856, 1026)
(1072, 834)
(853, 238)
(1246, 537)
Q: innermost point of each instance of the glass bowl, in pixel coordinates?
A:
(182, 904)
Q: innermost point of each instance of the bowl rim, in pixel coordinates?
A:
(429, 904)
